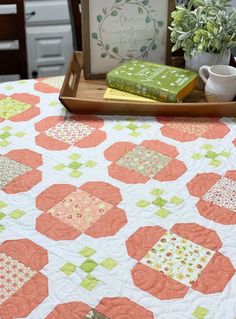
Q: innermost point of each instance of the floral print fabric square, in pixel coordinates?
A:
(144, 161)
(178, 258)
(55, 82)
(94, 314)
(10, 169)
(70, 131)
(13, 275)
(223, 193)
(196, 126)
(80, 210)
(10, 107)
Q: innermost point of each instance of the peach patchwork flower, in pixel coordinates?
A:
(49, 85)
(18, 171)
(69, 211)
(23, 287)
(186, 129)
(172, 262)
(59, 133)
(217, 196)
(133, 163)
(18, 107)
(108, 308)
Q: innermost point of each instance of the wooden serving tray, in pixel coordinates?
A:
(82, 96)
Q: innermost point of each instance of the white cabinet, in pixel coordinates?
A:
(49, 37)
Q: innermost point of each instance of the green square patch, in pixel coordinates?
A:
(109, 263)
(212, 155)
(68, 268)
(75, 165)
(159, 202)
(16, 214)
(90, 164)
(87, 251)
(75, 174)
(20, 134)
(163, 213)
(176, 200)
(142, 203)
(89, 265)
(89, 282)
(5, 135)
(59, 167)
(4, 143)
(2, 204)
(200, 312)
(157, 192)
(74, 157)
(2, 215)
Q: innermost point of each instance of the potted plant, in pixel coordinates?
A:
(205, 31)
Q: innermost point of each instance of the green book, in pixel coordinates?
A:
(155, 81)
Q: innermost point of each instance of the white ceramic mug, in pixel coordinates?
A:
(220, 82)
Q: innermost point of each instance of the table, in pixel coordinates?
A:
(110, 217)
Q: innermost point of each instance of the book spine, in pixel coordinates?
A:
(141, 89)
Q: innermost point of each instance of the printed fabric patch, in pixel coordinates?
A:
(178, 258)
(196, 126)
(55, 82)
(144, 161)
(70, 131)
(80, 210)
(13, 275)
(94, 314)
(223, 194)
(10, 107)
(10, 169)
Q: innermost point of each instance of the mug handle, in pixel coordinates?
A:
(204, 72)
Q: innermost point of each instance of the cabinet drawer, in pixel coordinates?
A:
(46, 12)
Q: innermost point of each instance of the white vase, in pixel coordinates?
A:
(210, 59)
(204, 58)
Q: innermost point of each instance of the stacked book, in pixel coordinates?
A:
(139, 80)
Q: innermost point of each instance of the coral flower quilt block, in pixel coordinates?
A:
(59, 133)
(49, 85)
(170, 263)
(217, 195)
(22, 285)
(18, 107)
(107, 308)
(186, 129)
(18, 171)
(133, 163)
(90, 209)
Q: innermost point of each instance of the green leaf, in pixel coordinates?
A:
(145, 2)
(117, 1)
(140, 10)
(115, 50)
(99, 18)
(114, 13)
(94, 35)
(160, 24)
(107, 46)
(148, 19)
(103, 55)
(154, 46)
(143, 48)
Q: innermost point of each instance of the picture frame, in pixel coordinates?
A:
(115, 31)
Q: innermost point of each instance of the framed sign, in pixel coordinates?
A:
(115, 31)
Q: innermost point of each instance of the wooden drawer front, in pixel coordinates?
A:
(49, 48)
(46, 12)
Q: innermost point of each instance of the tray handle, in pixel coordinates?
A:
(72, 77)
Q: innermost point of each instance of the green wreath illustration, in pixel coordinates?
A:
(144, 8)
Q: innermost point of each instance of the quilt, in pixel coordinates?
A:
(113, 217)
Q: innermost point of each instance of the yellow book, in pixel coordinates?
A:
(113, 94)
